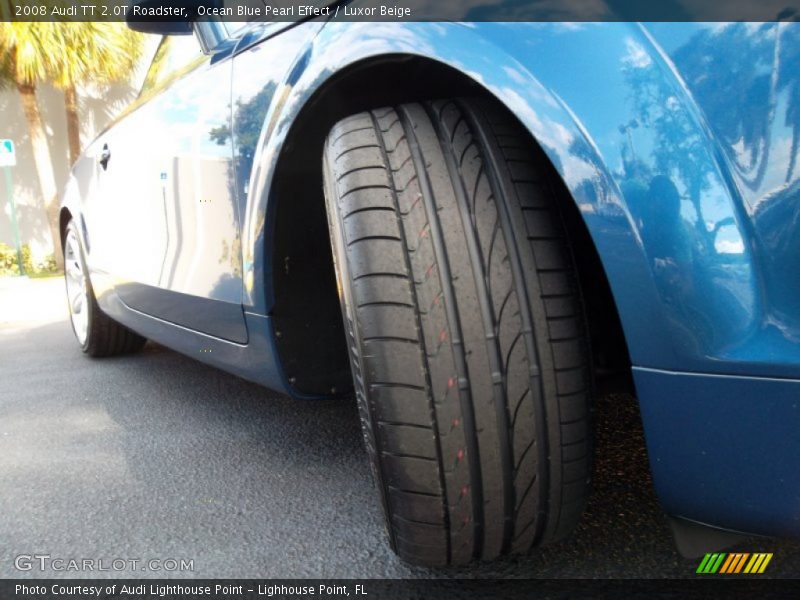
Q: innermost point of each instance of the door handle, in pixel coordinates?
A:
(105, 156)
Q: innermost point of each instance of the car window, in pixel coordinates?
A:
(234, 27)
(176, 55)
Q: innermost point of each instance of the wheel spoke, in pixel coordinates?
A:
(74, 297)
(77, 291)
(80, 302)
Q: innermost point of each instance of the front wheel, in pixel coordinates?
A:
(465, 327)
(97, 333)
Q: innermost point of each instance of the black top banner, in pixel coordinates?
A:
(401, 10)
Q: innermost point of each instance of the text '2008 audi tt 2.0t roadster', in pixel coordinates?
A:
(464, 226)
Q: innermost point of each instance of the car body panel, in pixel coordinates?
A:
(685, 305)
(694, 217)
(723, 449)
(262, 85)
(752, 110)
(171, 177)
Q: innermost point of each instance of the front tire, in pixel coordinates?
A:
(97, 333)
(465, 327)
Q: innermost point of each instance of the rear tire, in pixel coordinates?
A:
(465, 326)
(97, 333)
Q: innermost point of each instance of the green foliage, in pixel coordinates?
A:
(8, 260)
(10, 266)
(67, 54)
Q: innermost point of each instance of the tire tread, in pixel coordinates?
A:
(475, 402)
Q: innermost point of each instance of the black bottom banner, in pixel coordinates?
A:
(378, 589)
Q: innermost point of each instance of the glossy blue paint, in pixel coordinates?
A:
(723, 449)
(252, 361)
(752, 110)
(684, 269)
(683, 162)
(264, 75)
(164, 218)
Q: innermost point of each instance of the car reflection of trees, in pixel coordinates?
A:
(752, 95)
(696, 252)
(679, 151)
(736, 88)
(248, 121)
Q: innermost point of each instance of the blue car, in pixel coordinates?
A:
(467, 226)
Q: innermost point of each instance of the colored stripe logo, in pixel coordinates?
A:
(734, 563)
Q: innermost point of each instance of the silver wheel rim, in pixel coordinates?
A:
(77, 294)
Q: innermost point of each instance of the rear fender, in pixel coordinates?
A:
(593, 97)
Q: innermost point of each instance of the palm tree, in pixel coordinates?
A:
(68, 55)
(27, 53)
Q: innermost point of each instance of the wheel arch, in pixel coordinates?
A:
(295, 192)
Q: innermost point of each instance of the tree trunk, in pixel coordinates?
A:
(44, 165)
(73, 123)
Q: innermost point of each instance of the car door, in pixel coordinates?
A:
(174, 252)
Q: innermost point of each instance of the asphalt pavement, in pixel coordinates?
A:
(157, 456)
